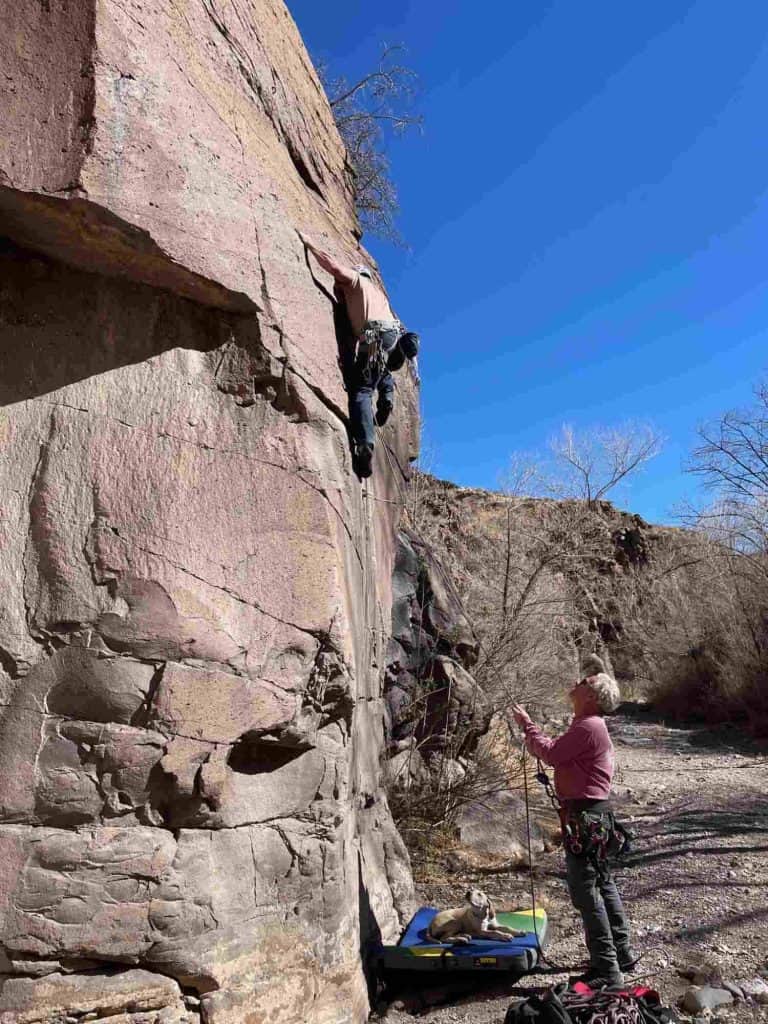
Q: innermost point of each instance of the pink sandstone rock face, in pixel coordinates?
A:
(195, 587)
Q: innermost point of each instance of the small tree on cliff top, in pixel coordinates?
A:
(366, 114)
(593, 463)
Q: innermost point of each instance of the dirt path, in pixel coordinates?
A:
(695, 885)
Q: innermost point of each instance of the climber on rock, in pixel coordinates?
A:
(382, 345)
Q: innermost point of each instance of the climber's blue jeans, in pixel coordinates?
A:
(368, 378)
(595, 896)
(361, 408)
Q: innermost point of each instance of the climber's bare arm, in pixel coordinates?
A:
(339, 272)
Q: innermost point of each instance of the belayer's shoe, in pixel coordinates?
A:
(363, 460)
(629, 959)
(383, 412)
(599, 979)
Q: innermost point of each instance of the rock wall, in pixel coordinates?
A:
(449, 756)
(435, 710)
(195, 587)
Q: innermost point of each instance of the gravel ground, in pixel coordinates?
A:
(694, 885)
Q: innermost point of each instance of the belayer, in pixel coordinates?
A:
(583, 759)
(382, 345)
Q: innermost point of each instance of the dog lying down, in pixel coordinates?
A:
(474, 921)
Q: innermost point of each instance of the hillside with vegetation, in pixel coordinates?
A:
(677, 613)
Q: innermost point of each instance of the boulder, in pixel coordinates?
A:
(101, 994)
(427, 614)
(755, 989)
(698, 999)
(493, 829)
(455, 710)
(405, 769)
(447, 772)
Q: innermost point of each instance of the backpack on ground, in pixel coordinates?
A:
(634, 1004)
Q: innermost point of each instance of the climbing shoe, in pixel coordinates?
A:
(628, 960)
(599, 979)
(363, 460)
(383, 410)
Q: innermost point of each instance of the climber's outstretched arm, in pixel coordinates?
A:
(339, 272)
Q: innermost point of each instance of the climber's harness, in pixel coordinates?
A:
(374, 345)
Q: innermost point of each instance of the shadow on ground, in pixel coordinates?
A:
(417, 997)
(631, 716)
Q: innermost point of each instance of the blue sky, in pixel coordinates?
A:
(587, 215)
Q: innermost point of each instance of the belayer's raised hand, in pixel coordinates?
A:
(520, 715)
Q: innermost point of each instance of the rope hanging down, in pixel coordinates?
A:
(529, 843)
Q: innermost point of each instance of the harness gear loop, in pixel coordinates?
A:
(594, 834)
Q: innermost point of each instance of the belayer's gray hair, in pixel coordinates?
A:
(606, 690)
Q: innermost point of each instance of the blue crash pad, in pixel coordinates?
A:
(416, 952)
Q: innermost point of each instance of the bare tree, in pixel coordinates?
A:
(516, 481)
(711, 654)
(591, 464)
(732, 459)
(367, 113)
(548, 597)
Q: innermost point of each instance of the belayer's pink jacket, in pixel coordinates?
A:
(582, 757)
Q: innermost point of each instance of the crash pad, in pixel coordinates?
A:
(416, 952)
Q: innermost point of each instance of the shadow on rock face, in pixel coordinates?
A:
(252, 755)
(59, 325)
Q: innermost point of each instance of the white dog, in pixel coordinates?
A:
(475, 921)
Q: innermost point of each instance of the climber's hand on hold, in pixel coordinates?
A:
(341, 273)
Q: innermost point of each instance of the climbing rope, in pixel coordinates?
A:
(529, 842)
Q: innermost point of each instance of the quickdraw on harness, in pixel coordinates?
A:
(372, 352)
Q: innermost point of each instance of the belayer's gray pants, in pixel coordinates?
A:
(595, 896)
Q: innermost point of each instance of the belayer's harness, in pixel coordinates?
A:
(589, 827)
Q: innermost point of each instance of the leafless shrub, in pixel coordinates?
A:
(367, 113)
(419, 485)
(711, 637)
(706, 638)
(426, 812)
(732, 459)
